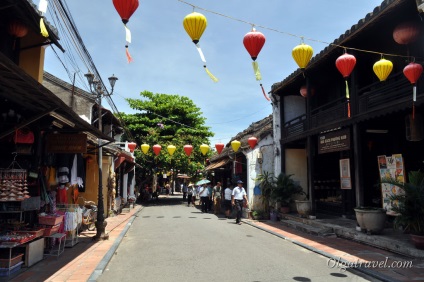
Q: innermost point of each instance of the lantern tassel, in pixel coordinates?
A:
(127, 34)
(263, 91)
(202, 57)
(127, 53)
(347, 97)
(256, 70)
(43, 29)
(210, 74)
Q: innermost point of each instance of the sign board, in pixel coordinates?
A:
(390, 167)
(345, 180)
(66, 143)
(334, 141)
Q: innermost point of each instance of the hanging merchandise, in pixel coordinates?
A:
(125, 9)
(235, 145)
(204, 149)
(156, 149)
(413, 72)
(188, 149)
(383, 68)
(219, 147)
(17, 29)
(171, 149)
(345, 64)
(253, 41)
(302, 54)
(195, 24)
(252, 142)
(406, 32)
(42, 8)
(145, 148)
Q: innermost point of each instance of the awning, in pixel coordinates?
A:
(124, 157)
(217, 164)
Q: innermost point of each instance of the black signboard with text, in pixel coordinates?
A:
(334, 141)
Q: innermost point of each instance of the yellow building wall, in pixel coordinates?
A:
(31, 60)
(296, 164)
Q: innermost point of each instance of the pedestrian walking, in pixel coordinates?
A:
(227, 201)
(210, 202)
(237, 197)
(167, 188)
(190, 191)
(184, 189)
(204, 198)
(217, 194)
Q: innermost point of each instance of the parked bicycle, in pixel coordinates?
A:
(89, 215)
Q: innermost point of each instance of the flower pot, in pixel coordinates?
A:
(273, 216)
(418, 241)
(371, 220)
(303, 208)
(284, 209)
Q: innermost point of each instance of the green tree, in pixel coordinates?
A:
(167, 120)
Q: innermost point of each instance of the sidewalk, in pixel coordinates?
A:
(86, 260)
(342, 253)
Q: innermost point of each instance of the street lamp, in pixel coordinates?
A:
(96, 88)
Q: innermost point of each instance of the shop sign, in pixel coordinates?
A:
(66, 143)
(334, 141)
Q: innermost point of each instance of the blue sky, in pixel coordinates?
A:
(166, 61)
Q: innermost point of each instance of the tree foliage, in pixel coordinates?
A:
(167, 120)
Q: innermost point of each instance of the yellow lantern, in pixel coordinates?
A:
(235, 145)
(171, 149)
(302, 54)
(382, 69)
(204, 149)
(145, 148)
(195, 24)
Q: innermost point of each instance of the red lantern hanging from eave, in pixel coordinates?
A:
(188, 149)
(219, 147)
(413, 72)
(406, 32)
(345, 64)
(132, 146)
(126, 9)
(304, 91)
(252, 142)
(156, 149)
(17, 29)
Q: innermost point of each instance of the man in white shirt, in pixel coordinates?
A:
(227, 201)
(204, 198)
(237, 197)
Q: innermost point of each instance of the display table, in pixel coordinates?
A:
(55, 244)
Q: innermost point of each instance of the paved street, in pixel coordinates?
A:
(169, 241)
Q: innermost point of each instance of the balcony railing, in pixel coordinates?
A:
(377, 96)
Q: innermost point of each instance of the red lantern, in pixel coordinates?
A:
(253, 41)
(17, 30)
(406, 32)
(304, 91)
(188, 149)
(252, 142)
(156, 149)
(219, 147)
(413, 72)
(132, 146)
(125, 9)
(345, 64)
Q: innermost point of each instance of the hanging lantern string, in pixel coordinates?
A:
(294, 35)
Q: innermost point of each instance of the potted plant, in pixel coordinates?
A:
(284, 191)
(409, 206)
(267, 185)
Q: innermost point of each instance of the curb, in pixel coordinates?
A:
(108, 256)
(364, 270)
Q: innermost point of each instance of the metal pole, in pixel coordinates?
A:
(100, 223)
